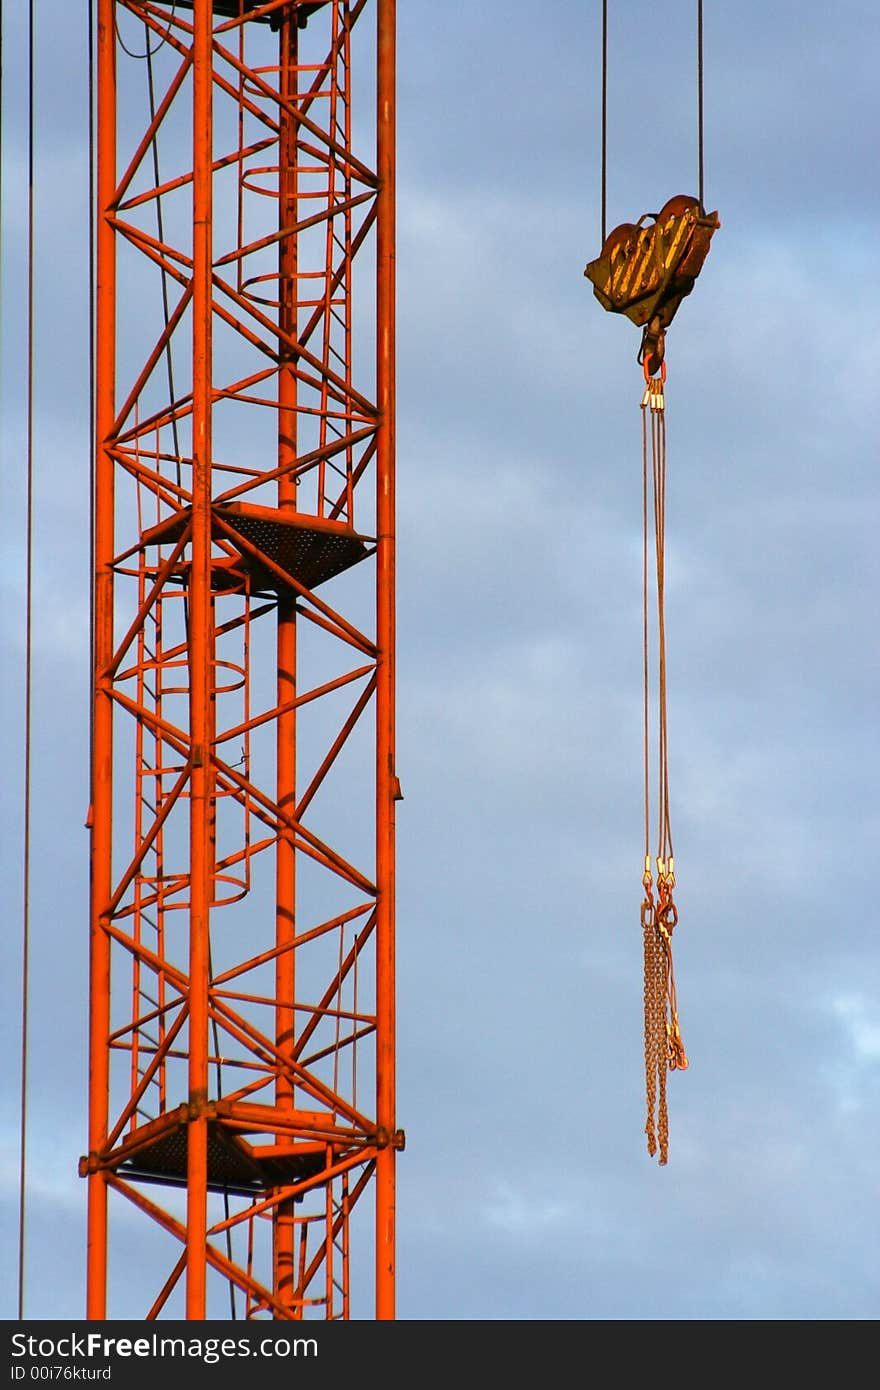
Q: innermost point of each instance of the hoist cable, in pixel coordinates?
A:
(28, 693)
(604, 154)
(700, 99)
(664, 1050)
(604, 113)
(148, 52)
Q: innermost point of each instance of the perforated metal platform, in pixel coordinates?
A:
(233, 1165)
(310, 548)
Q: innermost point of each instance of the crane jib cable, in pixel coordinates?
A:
(28, 677)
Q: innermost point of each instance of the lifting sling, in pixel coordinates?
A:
(644, 271)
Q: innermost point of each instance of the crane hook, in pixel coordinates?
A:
(653, 346)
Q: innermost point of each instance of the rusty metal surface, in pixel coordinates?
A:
(233, 1165)
(646, 268)
(310, 549)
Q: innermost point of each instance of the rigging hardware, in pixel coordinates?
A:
(664, 1050)
(644, 271)
(646, 268)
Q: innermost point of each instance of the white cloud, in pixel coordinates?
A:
(860, 1018)
(525, 1214)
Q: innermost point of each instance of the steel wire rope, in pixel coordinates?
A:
(655, 953)
(148, 52)
(664, 1049)
(28, 681)
(604, 120)
(604, 113)
(663, 1045)
(700, 99)
(664, 831)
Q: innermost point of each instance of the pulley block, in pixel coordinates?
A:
(646, 268)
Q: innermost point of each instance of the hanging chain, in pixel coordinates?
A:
(664, 1050)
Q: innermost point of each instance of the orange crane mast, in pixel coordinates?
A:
(242, 986)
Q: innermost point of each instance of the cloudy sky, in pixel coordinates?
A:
(526, 1191)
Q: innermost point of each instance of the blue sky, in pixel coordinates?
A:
(525, 1191)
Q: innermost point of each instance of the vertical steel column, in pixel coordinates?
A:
(101, 813)
(386, 780)
(285, 873)
(200, 672)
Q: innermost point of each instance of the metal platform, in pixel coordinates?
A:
(311, 549)
(234, 1166)
(231, 8)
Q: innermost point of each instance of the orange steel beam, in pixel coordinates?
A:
(265, 1115)
(286, 722)
(387, 787)
(101, 808)
(200, 664)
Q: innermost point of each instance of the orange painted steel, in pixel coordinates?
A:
(242, 1109)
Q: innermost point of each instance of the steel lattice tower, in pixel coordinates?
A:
(242, 1043)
